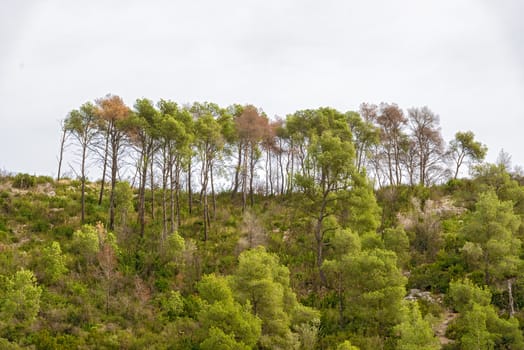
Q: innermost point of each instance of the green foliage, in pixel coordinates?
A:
(123, 201)
(396, 239)
(171, 304)
(261, 282)
(346, 345)
(415, 332)
(492, 244)
(479, 326)
(53, 262)
(218, 340)
(475, 333)
(369, 290)
(24, 181)
(361, 211)
(341, 242)
(331, 240)
(464, 148)
(371, 240)
(86, 243)
(224, 320)
(7, 345)
(19, 301)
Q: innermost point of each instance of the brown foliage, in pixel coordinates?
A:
(112, 108)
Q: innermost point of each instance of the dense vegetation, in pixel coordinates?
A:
(216, 228)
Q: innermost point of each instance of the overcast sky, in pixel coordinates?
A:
(464, 59)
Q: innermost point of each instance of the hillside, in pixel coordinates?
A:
(255, 280)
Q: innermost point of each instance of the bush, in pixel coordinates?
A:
(40, 226)
(24, 181)
(43, 180)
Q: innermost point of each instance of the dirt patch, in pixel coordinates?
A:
(442, 327)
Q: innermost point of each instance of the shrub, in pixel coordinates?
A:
(24, 181)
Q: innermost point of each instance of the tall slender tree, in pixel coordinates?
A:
(114, 113)
(252, 127)
(82, 124)
(209, 142)
(175, 138)
(142, 130)
(365, 135)
(464, 148)
(427, 141)
(63, 139)
(328, 170)
(391, 122)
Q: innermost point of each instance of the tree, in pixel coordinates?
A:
(504, 160)
(114, 113)
(365, 134)
(124, 204)
(327, 169)
(370, 288)
(252, 127)
(393, 140)
(261, 282)
(479, 326)
(85, 244)
(492, 244)
(464, 148)
(175, 138)
(83, 124)
(223, 319)
(53, 263)
(19, 301)
(218, 340)
(107, 262)
(142, 131)
(427, 141)
(209, 142)
(396, 239)
(63, 139)
(491, 228)
(415, 332)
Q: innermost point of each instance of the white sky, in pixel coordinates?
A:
(464, 59)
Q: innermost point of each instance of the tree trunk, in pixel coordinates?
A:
(267, 172)
(237, 170)
(270, 173)
(213, 196)
(291, 173)
(152, 178)
(114, 170)
(165, 174)
(251, 175)
(458, 162)
(319, 238)
(177, 195)
(142, 193)
(244, 180)
(282, 184)
(83, 175)
(189, 192)
(510, 297)
(61, 156)
(104, 171)
(206, 215)
(171, 199)
(320, 253)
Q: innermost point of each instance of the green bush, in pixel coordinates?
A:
(40, 225)
(24, 181)
(43, 179)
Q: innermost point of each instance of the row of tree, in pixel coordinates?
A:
(204, 148)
